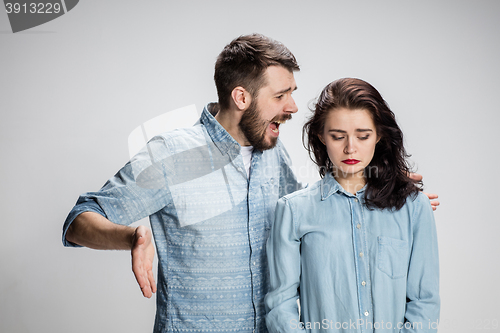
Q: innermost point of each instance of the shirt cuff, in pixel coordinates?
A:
(88, 205)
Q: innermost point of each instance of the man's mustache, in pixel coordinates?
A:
(282, 118)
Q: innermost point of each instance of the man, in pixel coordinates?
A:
(210, 192)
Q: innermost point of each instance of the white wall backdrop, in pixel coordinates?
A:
(72, 90)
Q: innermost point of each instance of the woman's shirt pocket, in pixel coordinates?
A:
(392, 257)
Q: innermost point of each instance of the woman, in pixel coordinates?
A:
(361, 243)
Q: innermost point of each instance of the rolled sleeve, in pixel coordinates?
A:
(84, 204)
(137, 190)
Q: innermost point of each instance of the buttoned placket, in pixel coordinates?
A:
(255, 223)
(255, 218)
(361, 259)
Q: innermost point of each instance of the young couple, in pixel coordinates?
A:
(360, 245)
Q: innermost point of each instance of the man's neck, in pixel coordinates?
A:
(230, 121)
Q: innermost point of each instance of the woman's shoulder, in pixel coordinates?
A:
(416, 204)
(418, 199)
(307, 193)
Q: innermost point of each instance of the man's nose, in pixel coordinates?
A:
(291, 107)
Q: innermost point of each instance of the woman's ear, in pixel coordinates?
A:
(241, 98)
(320, 137)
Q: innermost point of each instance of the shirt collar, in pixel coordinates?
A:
(329, 186)
(220, 137)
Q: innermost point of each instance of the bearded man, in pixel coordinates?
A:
(210, 192)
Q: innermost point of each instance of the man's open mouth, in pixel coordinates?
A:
(275, 125)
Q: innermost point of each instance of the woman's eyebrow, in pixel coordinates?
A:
(357, 130)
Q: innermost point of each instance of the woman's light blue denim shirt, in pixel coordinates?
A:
(358, 270)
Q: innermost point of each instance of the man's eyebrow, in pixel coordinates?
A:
(284, 91)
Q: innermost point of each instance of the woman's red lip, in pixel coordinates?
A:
(350, 161)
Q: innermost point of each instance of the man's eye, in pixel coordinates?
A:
(337, 137)
(279, 97)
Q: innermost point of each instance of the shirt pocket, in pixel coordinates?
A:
(270, 196)
(392, 257)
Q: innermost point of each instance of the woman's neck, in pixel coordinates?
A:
(353, 183)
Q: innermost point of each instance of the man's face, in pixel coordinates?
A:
(273, 106)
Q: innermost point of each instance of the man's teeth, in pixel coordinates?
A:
(275, 126)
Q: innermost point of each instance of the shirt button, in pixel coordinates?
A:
(363, 283)
(356, 199)
(361, 254)
(366, 313)
(254, 263)
(272, 180)
(358, 226)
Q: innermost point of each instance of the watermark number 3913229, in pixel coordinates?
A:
(33, 8)
(31, 13)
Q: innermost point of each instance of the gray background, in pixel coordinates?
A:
(73, 89)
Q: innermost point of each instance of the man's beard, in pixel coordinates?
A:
(254, 127)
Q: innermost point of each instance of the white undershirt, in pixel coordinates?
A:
(246, 153)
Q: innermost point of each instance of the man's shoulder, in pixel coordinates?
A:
(193, 135)
(181, 133)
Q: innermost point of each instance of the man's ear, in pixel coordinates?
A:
(241, 98)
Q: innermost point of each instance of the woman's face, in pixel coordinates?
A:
(350, 138)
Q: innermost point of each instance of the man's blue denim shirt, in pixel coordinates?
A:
(358, 270)
(210, 223)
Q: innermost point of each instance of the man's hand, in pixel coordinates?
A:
(95, 231)
(434, 203)
(143, 253)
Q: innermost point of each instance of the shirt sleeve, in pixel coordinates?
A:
(423, 302)
(283, 254)
(137, 190)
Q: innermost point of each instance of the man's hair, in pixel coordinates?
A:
(244, 61)
(388, 184)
